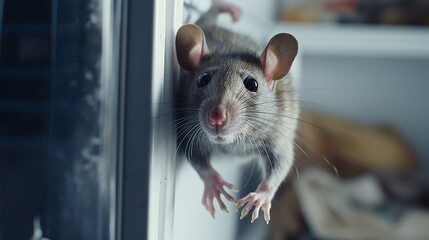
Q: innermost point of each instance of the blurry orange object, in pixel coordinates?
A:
(351, 147)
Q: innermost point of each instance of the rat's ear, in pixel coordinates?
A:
(191, 46)
(278, 56)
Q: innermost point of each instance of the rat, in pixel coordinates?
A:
(235, 101)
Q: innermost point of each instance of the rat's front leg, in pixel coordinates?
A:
(214, 185)
(276, 168)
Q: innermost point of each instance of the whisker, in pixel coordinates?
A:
(294, 118)
(297, 172)
(304, 141)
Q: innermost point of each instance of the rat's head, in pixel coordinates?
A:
(231, 90)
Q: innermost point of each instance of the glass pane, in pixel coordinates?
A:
(54, 93)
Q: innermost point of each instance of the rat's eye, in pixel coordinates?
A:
(251, 84)
(203, 80)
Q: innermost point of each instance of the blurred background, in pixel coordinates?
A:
(361, 169)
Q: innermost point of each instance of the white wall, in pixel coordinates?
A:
(375, 90)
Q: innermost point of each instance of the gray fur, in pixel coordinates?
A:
(266, 121)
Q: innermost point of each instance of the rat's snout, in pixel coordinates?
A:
(217, 116)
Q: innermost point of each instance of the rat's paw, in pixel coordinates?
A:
(258, 200)
(213, 188)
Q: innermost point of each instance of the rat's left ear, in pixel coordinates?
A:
(278, 56)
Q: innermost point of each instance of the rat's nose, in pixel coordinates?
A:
(217, 116)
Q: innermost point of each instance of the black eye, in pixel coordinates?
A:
(203, 80)
(251, 84)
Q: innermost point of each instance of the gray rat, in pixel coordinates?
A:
(233, 100)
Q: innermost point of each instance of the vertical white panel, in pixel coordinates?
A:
(168, 18)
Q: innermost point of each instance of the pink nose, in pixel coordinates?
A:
(217, 116)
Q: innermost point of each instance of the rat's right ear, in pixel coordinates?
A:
(191, 46)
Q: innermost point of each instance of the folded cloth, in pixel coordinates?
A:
(356, 209)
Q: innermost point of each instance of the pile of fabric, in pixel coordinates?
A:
(392, 205)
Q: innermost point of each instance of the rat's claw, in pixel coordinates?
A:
(231, 187)
(221, 204)
(229, 198)
(266, 210)
(255, 214)
(244, 213)
(208, 203)
(213, 215)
